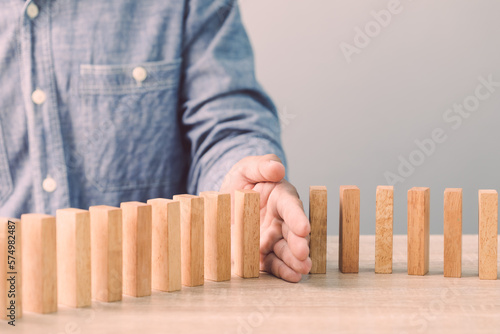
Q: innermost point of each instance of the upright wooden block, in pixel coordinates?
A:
(488, 237)
(39, 265)
(192, 244)
(137, 252)
(384, 213)
(318, 203)
(452, 232)
(11, 306)
(247, 233)
(166, 244)
(418, 230)
(349, 229)
(73, 257)
(106, 252)
(217, 236)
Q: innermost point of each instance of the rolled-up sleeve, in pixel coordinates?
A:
(225, 114)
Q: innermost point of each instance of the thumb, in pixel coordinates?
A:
(264, 168)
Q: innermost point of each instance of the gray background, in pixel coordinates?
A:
(349, 123)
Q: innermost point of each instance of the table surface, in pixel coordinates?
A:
(331, 303)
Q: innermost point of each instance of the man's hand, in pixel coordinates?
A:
(284, 227)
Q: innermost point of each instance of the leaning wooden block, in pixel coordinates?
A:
(166, 244)
(217, 235)
(247, 233)
(384, 213)
(11, 306)
(488, 237)
(192, 244)
(318, 203)
(452, 232)
(349, 206)
(39, 265)
(137, 237)
(106, 252)
(418, 230)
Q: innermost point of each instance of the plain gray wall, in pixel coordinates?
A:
(351, 122)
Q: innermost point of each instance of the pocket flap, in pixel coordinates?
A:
(129, 78)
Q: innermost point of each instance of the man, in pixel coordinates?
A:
(110, 101)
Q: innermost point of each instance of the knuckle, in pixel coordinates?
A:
(299, 202)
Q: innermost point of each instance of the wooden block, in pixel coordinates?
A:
(192, 244)
(11, 306)
(106, 252)
(217, 236)
(349, 229)
(418, 230)
(39, 265)
(73, 257)
(488, 237)
(137, 238)
(166, 244)
(247, 233)
(318, 203)
(452, 232)
(384, 213)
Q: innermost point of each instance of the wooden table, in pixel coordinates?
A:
(331, 303)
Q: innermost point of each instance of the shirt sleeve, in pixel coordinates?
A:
(225, 114)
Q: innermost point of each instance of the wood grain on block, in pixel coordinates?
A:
(106, 252)
(11, 306)
(39, 265)
(192, 234)
(247, 233)
(318, 203)
(349, 206)
(418, 230)
(217, 236)
(384, 213)
(488, 237)
(166, 244)
(137, 238)
(73, 257)
(452, 223)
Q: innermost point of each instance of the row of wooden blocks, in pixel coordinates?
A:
(418, 230)
(105, 252)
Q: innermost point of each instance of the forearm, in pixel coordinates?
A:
(225, 114)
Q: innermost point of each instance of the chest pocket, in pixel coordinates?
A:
(131, 124)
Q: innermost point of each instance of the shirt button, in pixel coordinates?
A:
(139, 74)
(32, 10)
(38, 96)
(49, 184)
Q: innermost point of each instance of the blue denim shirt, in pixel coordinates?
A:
(109, 101)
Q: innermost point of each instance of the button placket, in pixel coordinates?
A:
(46, 133)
